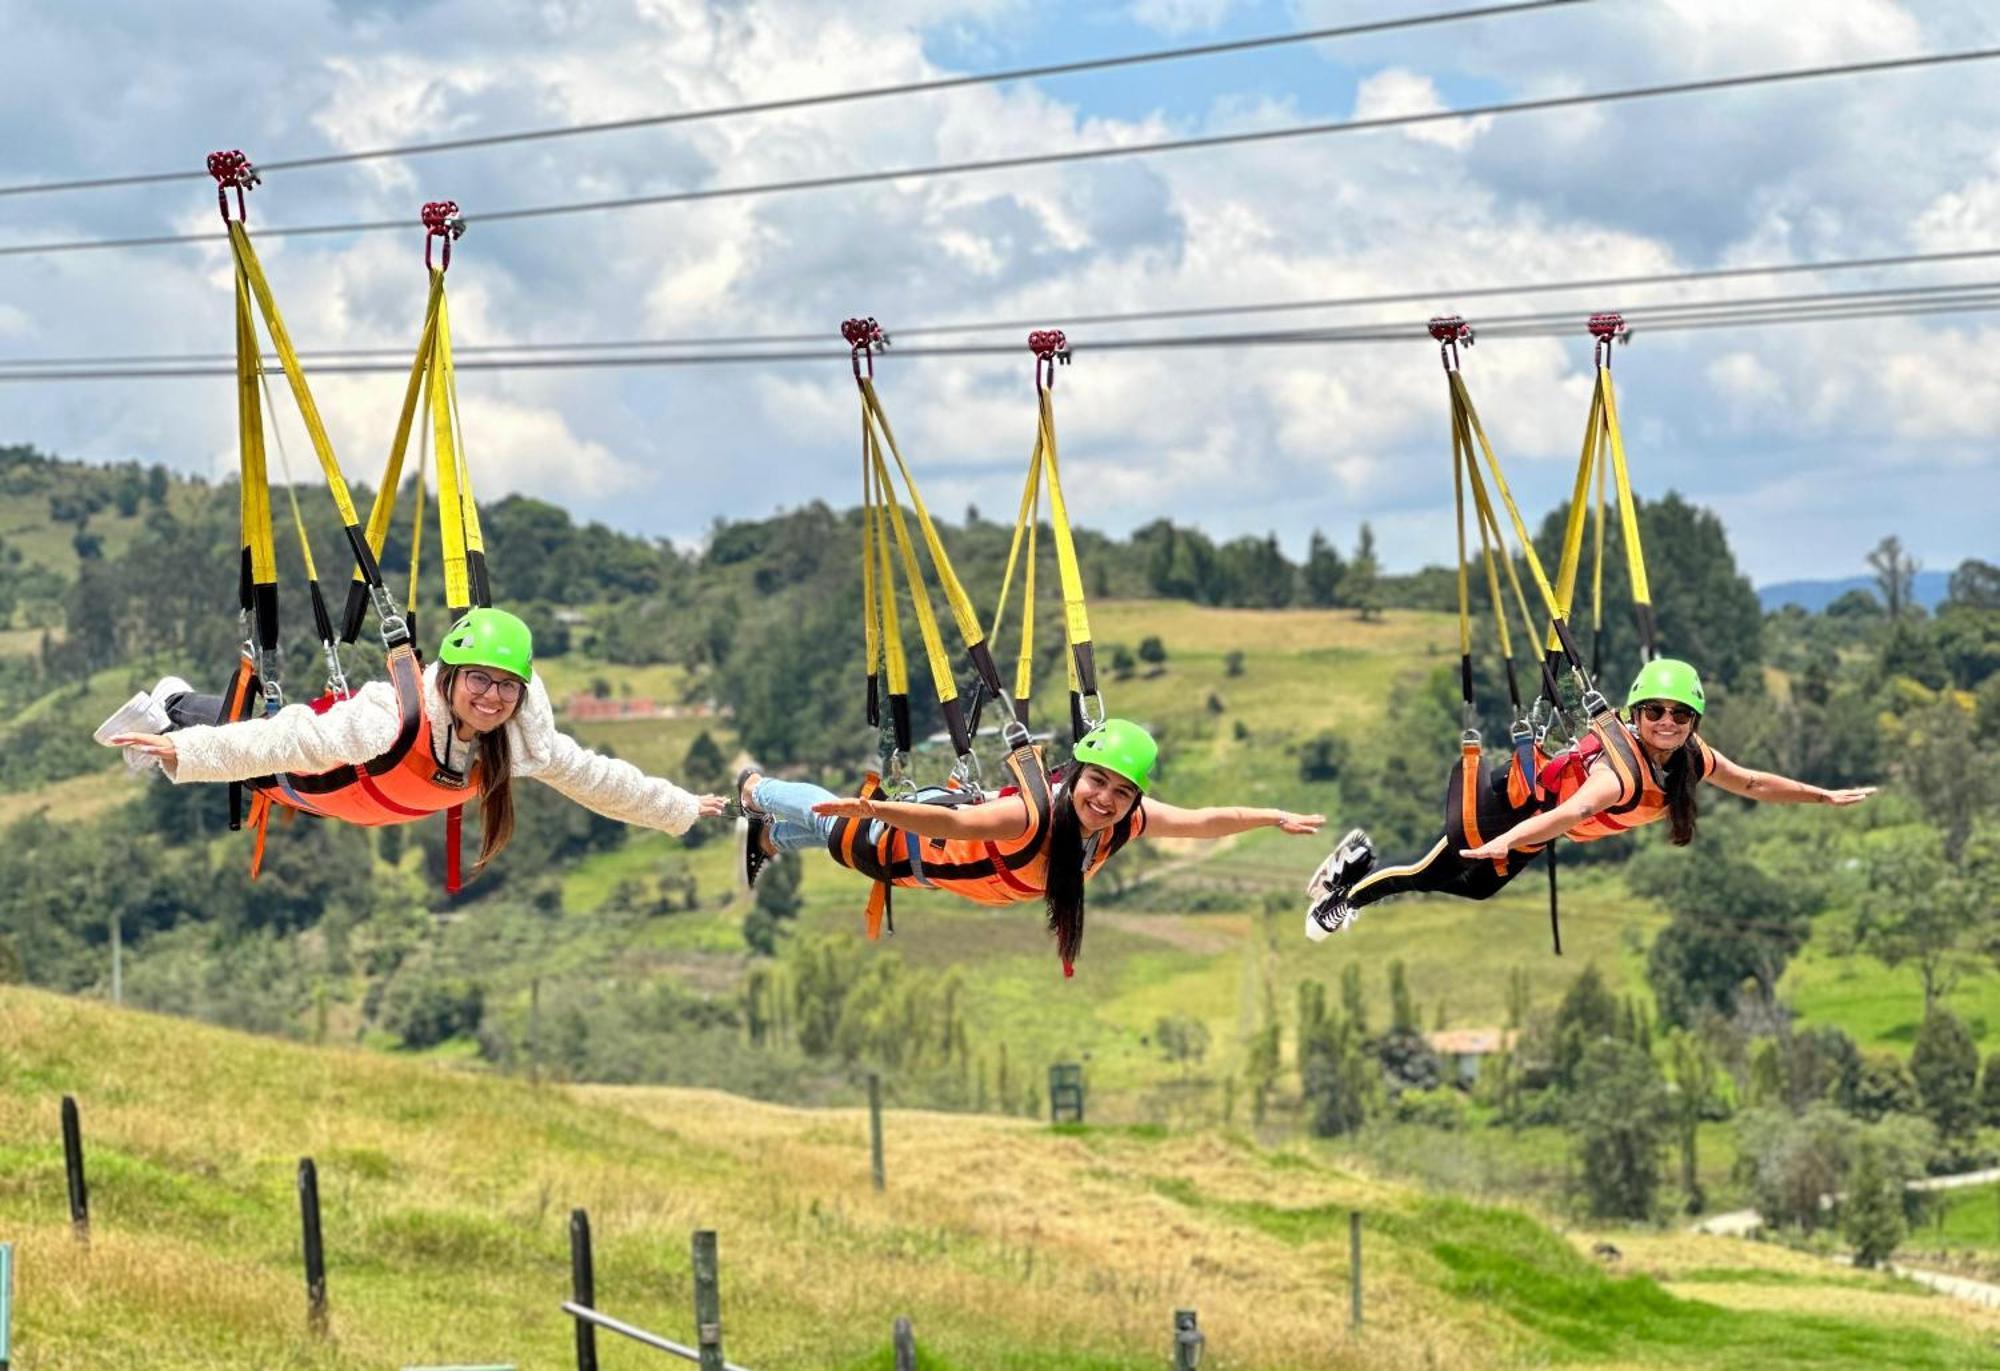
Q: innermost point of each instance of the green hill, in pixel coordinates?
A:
(1011, 1245)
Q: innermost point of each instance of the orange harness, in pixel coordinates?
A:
(1642, 796)
(401, 786)
(1011, 871)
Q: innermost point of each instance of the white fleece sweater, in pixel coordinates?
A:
(298, 740)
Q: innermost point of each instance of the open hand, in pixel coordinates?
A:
(1849, 797)
(1486, 852)
(852, 807)
(708, 806)
(152, 744)
(1300, 824)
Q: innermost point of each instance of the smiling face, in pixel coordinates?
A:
(1663, 724)
(1101, 798)
(484, 698)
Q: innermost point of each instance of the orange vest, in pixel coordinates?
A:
(1011, 871)
(1642, 796)
(401, 786)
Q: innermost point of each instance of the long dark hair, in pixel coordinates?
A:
(1679, 777)
(496, 775)
(1063, 888)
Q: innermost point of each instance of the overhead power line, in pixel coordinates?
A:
(1834, 307)
(1067, 319)
(1157, 55)
(1073, 156)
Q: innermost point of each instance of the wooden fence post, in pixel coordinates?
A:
(79, 1193)
(1354, 1270)
(875, 1127)
(583, 1288)
(315, 1252)
(1187, 1341)
(905, 1341)
(707, 1301)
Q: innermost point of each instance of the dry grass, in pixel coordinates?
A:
(1010, 1244)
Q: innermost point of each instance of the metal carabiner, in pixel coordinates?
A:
(966, 772)
(1083, 704)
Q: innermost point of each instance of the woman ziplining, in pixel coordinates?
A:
(422, 741)
(1040, 839)
(1046, 833)
(485, 721)
(1588, 793)
(1618, 774)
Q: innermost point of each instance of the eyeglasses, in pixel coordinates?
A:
(1653, 711)
(477, 683)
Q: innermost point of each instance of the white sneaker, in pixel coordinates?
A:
(137, 715)
(167, 687)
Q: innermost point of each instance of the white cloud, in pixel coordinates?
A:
(1400, 91)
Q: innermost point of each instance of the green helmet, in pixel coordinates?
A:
(492, 638)
(1668, 678)
(1120, 747)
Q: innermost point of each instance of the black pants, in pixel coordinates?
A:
(1441, 870)
(189, 710)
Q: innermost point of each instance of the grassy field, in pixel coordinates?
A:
(1011, 1245)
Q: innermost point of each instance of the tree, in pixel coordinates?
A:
(1321, 575)
(1733, 922)
(1945, 1065)
(1792, 1161)
(776, 904)
(1882, 1087)
(703, 767)
(1588, 1013)
(1619, 1118)
(1895, 574)
(1152, 651)
(1360, 584)
(1695, 1076)
(1874, 1219)
(1989, 1089)
(1182, 1039)
(1402, 1008)
(1975, 584)
(1923, 905)
(1338, 1080)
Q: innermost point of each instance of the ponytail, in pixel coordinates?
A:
(1063, 890)
(1681, 774)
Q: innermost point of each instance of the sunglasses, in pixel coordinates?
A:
(1653, 711)
(477, 683)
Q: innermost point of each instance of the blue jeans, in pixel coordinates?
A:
(787, 807)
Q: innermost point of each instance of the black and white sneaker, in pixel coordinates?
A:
(1330, 915)
(1351, 859)
(749, 836)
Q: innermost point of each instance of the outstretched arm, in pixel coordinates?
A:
(991, 821)
(1781, 790)
(1171, 821)
(1598, 791)
(618, 790)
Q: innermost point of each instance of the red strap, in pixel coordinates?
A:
(1007, 878)
(454, 828)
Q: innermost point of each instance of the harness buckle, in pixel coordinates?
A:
(966, 772)
(1091, 717)
(274, 695)
(336, 675)
(895, 780)
(1014, 733)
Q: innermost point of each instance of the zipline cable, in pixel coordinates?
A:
(1042, 159)
(943, 83)
(1528, 326)
(1072, 319)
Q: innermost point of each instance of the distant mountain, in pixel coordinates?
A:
(1814, 596)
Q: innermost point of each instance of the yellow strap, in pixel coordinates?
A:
(254, 497)
(1492, 544)
(451, 501)
(1628, 513)
(417, 518)
(1507, 497)
(871, 610)
(1597, 554)
(468, 507)
(1027, 523)
(253, 271)
(920, 599)
(1458, 462)
(1573, 525)
(895, 662)
(384, 510)
(954, 593)
(291, 486)
(1076, 617)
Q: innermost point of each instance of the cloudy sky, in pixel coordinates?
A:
(1810, 442)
